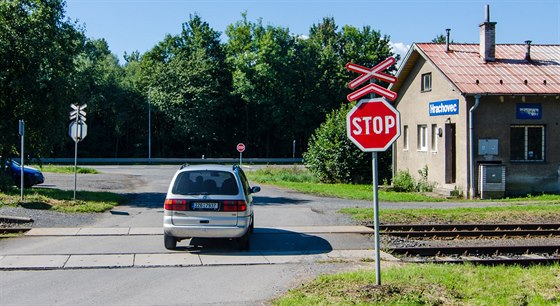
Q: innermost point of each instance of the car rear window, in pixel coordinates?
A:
(205, 182)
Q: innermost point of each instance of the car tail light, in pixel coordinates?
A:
(175, 204)
(235, 206)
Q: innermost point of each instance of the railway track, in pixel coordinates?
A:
(488, 255)
(470, 230)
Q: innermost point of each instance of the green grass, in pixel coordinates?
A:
(427, 284)
(302, 180)
(356, 192)
(62, 200)
(65, 169)
(494, 214)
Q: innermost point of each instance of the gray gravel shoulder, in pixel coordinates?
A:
(122, 183)
(46, 218)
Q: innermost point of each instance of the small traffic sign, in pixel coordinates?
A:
(76, 107)
(77, 130)
(366, 74)
(240, 147)
(373, 125)
(75, 113)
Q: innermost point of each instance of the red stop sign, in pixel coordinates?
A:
(373, 125)
(240, 147)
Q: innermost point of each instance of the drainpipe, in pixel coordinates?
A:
(471, 146)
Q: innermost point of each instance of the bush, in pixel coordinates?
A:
(332, 157)
(423, 185)
(403, 182)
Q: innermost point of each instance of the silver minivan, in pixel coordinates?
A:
(209, 201)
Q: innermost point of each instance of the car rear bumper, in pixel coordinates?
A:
(205, 231)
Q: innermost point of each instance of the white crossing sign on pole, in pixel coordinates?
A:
(77, 130)
(373, 125)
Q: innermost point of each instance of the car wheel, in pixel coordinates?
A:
(252, 226)
(170, 242)
(243, 242)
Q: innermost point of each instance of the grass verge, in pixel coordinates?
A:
(65, 169)
(300, 179)
(427, 284)
(61, 200)
(495, 214)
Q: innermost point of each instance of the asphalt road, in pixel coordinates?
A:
(232, 284)
(220, 283)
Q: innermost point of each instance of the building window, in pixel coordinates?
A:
(422, 137)
(527, 142)
(405, 137)
(434, 139)
(427, 82)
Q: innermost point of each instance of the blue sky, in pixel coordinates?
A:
(130, 25)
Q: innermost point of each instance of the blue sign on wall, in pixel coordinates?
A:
(529, 111)
(441, 108)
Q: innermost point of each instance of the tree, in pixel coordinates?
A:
(115, 106)
(188, 84)
(37, 51)
(440, 39)
(332, 157)
(264, 77)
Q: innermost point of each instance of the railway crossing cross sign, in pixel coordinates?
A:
(366, 74)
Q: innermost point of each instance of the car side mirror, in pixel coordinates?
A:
(255, 189)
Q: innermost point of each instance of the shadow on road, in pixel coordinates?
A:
(262, 201)
(145, 200)
(268, 240)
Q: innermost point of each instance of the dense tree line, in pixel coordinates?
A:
(207, 91)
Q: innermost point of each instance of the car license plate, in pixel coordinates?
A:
(205, 206)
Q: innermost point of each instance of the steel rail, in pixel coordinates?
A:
(459, 227)
(476, 233)
(487, 261)
(476, 250)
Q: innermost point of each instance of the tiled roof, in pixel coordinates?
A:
(509, 74)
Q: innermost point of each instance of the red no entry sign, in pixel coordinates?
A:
(373, 125)
(240, 147)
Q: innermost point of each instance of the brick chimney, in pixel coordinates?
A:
(488, 38)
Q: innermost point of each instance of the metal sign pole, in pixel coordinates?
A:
(76, 155)
(149, 131)
(240, 158)
(22, 172)
(376, 219)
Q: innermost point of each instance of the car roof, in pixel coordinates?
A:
(215, 167)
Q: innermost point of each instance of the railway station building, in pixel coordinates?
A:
(483, 118)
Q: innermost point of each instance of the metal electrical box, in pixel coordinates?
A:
(492, 181)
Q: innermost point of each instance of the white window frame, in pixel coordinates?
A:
(422, 137)
(426, 82)
(526, 153)
(434, 140)
(405, 137)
